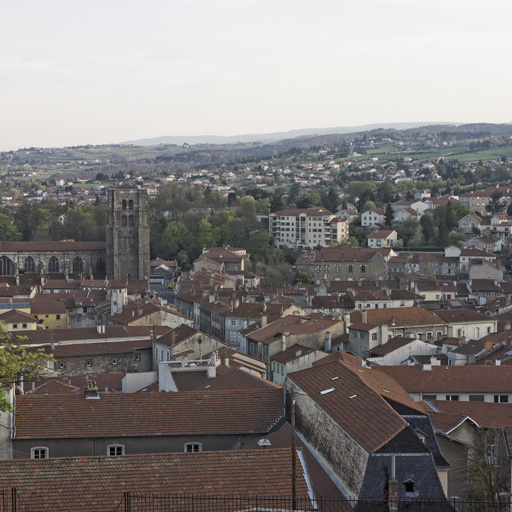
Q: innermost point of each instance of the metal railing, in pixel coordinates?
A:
(46, 500)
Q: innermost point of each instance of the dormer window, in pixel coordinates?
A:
(409, 487)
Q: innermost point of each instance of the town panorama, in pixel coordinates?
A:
(318, 323)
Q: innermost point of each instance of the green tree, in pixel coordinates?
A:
(8, 232)
(388, 218)
(18, 363)
(409, 232)
(427, 228)
(248, 207)
(302, 277)
(496, 204)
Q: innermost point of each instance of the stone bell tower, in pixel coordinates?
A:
(127, 233)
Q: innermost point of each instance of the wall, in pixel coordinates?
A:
(346, 459)
(103, 363)
(133, 382)
(133, 445)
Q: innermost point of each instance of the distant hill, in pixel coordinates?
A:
(271, 137)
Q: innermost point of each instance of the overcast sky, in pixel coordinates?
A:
(106, 71)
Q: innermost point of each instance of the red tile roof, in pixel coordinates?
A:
(353, 404)
(67, 484)
(154, 414)
(451, 379)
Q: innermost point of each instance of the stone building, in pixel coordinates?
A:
(127, 233)
(333, 264)
(124, 255)
(52, 258)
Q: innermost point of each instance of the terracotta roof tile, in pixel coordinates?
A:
(100, 482)
(128, 414)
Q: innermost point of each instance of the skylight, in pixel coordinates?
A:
(353, 396)
(335, 378)
(325, 391)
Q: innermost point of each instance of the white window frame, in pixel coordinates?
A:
(38, 450)
(115, 448)
(190, 447)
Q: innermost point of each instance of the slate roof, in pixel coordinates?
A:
(154, 414)
(58, 484)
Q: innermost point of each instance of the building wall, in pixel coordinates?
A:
(104, 363)
(133, 445)
(329, 271)
(346, 458)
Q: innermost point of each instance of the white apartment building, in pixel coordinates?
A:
(310, 227)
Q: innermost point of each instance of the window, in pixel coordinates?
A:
(57, 317)
(88, 363)
(193, 447)
(114, 361)
(14, 326)
(350, 269)
(374, 336)
(502, 399)
(476, 398)
(61, 365)
(39, 452)
(409, 487)
(115, 449)
(251, 349)
(491, 454)
(23, 326)
(452, 397)
(137, 357)
(363, 269)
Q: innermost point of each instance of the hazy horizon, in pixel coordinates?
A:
(107, 72)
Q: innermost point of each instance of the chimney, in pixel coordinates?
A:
(328, 346)
(497, 362)
(91, 391)
(508, 326)
(364, 317)
(393, 489)
(173, 338)
(283, 341)
(488, 345)
(347, 322)
(226, 361)
(211, 371)
(263, 320)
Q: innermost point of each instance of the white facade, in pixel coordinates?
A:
(299, 229)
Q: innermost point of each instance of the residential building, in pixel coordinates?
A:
(382, 238)
(306, 228)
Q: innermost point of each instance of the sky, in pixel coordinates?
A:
(106, 71)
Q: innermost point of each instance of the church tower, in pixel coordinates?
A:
(127, 233)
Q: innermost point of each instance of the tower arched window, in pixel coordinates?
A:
(130, 205)
(123, 204)
(53, 265)
(131, 221)
(123, 221)
(100, 266)
(78, 265)
(30, 265)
